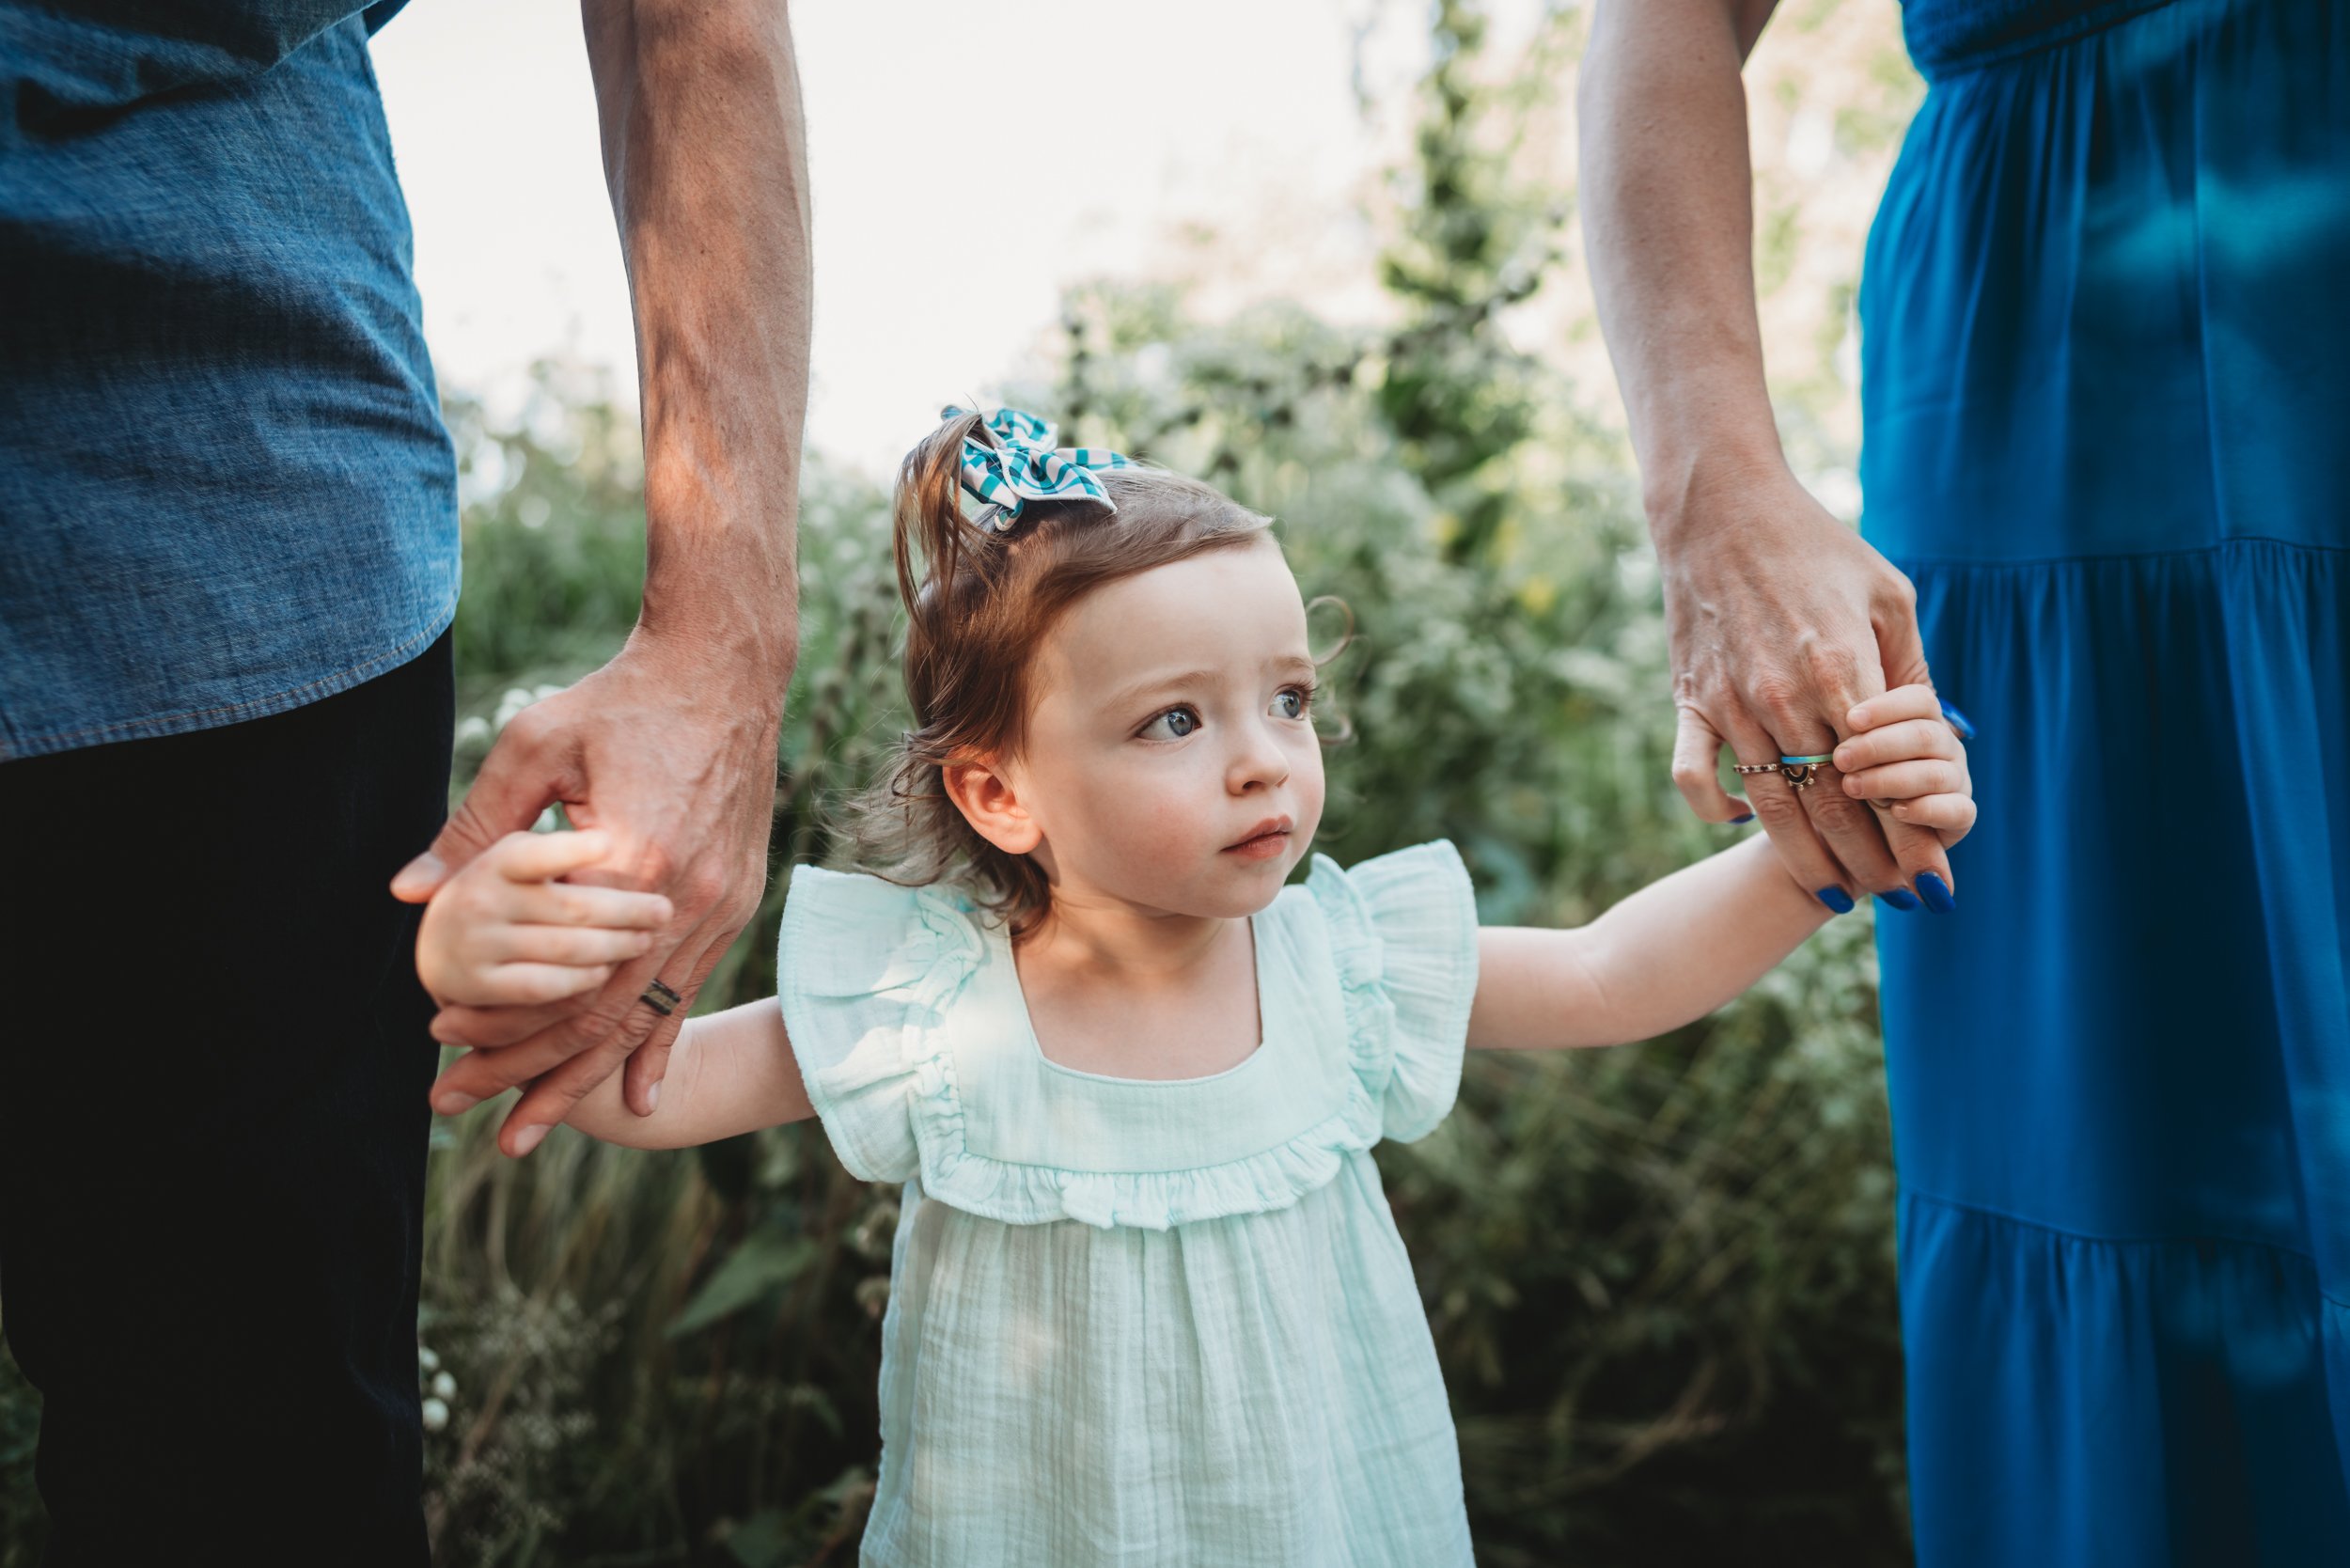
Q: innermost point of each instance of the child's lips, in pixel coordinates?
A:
(1264, 846)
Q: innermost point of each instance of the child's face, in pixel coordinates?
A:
(1171, 764)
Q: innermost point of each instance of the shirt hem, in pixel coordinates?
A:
(189, 721)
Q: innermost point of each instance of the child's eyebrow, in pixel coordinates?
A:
(1288, 664)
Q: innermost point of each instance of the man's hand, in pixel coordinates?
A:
(1782, 622)
(673, 756)
(672, 746)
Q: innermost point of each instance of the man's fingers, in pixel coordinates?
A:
(648, 1064)
(554, 1097)
(550, 1099)
(481, 1074)
(520, 778)
(474, 1027)
(1696, 770)
(615, 1020)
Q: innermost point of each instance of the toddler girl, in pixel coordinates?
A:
(1148, 1305)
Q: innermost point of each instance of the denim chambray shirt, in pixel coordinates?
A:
(225, 487)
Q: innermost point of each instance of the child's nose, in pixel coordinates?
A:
(1261, 764)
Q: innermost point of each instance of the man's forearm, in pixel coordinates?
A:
(705, 154)
(1667, 217)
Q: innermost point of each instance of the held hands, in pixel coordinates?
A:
(1905, 756)
(1785, 625)
(507, 930)
(672, 752)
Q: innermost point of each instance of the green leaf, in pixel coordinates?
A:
(763, 1262)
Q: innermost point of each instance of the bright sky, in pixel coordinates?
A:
(1059, 140)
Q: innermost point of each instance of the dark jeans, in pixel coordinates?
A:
(212, 1131)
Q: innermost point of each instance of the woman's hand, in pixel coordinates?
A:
(504, 930)
(1903, 751)
(1783, 620)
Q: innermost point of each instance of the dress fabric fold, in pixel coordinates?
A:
(2106, 388)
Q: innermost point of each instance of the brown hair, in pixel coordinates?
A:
(978, 603)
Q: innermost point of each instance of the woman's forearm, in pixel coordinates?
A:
(1668, 220)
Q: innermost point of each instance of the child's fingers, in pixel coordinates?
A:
(1951, 816)
(544, 856)
(1902, 702)
(1901, 780)
(570, 945)
(1696, 770)
(1899, 742)
(527, 985)
(574, 903)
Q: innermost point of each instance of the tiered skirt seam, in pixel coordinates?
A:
(1984, 1211)
(1907, 557)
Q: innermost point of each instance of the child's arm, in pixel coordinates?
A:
(731, 1072)
(506, 931)
(1672, 953)
(1678, 949)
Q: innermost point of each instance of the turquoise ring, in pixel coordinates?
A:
(1806, 761)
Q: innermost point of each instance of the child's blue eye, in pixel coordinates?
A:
(1291, 702)
(1174, 724)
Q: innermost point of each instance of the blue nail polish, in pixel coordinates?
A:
(1902, 898)
(1936, 893)
(1960, 721)
(1835, 899)
(1746, 817)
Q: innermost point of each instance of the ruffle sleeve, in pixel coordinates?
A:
(1403, 931)
(866, 972)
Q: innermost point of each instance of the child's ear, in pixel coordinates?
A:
(990, 801)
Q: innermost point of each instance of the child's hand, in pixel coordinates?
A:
(1905, 752)
(504, 931)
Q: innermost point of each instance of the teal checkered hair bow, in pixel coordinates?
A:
(1020, 465)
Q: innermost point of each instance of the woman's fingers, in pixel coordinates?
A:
(1901, 780)
(1696, 770)
(574, 903)
(1900, 742)
(572, 945)
(1798, 844)
(1951, 816)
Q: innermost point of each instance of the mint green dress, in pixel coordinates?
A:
(1143, 1324)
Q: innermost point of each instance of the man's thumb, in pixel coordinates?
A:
(506, 796)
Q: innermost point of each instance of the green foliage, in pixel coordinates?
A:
(1659, 1277)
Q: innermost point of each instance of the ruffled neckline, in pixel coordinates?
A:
(1000, 1131)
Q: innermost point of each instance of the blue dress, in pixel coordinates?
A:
(2105, 317)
